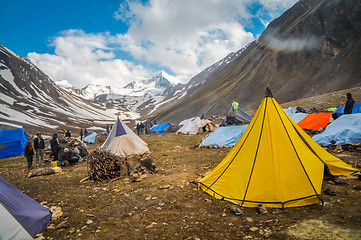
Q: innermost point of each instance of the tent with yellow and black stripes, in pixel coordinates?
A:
(274, 163)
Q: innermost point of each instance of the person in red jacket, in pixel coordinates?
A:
(29, 153)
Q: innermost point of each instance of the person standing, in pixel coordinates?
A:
(29, 154)
(62, 141)
(39, 147)
(81, 134)
(108, 130)
(68, 134)
(55, 146)
(349, 104)
(141, 127)
(138, 128)
(85, 132)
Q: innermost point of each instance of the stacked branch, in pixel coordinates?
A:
(103, 165)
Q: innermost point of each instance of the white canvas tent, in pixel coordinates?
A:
(193, 125)
(123, 141)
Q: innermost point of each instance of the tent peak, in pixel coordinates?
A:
(268, 92)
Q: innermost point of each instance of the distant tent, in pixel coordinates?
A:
(295, 115)
(274, 163)
(356, 109)
(196, 125)
(237, 116)
(315, 121)
(224, 136)
(21, 217)
(90, 138)
(344, 130)
(12, 142)
(331, 109)
(161, 127)
(123, 141)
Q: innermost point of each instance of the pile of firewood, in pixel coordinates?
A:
(103, 165)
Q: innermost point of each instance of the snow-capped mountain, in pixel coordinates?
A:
(30, 99)
(135, 96)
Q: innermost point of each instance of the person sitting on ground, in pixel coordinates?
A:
(349, 104)
(82, 150)
(68, 155)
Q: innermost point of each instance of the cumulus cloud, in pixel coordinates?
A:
(84, 58)
(183, 36)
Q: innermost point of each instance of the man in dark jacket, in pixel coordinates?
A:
(349, 104)
(55, 146)
(39, 147)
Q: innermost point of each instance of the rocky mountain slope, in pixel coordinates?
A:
(313, 48)
(30, 99)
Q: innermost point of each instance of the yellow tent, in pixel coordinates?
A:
(274, 163)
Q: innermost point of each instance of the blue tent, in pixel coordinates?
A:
(224, 136)
(12, 142)
(90, 138)
(344, 130)
(356, 109)
(21, 216)
(160, 128)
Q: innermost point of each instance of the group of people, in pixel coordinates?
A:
(145, 128)
(59, 148)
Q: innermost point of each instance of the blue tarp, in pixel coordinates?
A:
(224, 136)
(33, 216)
(90, 138)
(160, 128)
(296, 116)
(12, 142)
(356, 109)
(344, 130)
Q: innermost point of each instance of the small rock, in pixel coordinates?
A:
(261, 209)
(84, 227)
(247, 237)
(90, 215)
(63, 224)
(51, 226)
(340, 180)
(158, 208)
(224, 214)
(97, 231)
(236, 210)
(253, 229)
(329, 191)
(164, 187)
(267, 233)
(153, 224)
(89, 222)
(249, 219)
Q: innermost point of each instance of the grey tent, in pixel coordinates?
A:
(237, 116)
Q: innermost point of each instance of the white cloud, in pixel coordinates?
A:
(84, 58)
(185, 36)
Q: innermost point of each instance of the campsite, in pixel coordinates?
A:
(167, 204)
(152, 119)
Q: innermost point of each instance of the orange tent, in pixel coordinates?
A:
(315, 121)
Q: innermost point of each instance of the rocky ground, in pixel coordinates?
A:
(167, 205)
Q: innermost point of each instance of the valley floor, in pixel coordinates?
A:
(167, 206)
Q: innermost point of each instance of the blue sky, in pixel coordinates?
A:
(111, 42)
